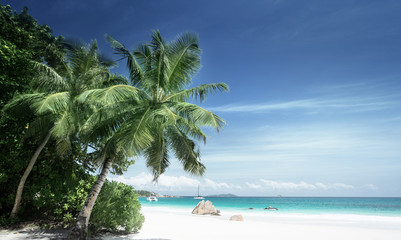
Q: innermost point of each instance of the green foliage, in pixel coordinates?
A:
(55, 191)
(151, 116)
(117, 209)
(22, 41)
(58, 184)
(143, 193)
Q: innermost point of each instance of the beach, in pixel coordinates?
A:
(177, 224)
(165, 223)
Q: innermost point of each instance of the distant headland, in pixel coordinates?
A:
(222, 195)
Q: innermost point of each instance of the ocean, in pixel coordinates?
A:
(295, 205)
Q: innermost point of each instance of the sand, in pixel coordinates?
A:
(163, 223)
(179, 224)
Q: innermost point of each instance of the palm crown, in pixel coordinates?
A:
(151, 116)
(54, 102)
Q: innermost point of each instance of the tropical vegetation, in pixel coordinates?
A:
(32, 61)
(117, 209)
(66, 115)
(151, 116)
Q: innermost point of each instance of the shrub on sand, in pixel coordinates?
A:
(117, 209)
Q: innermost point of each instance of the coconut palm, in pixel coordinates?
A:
(57, 113)
(151, 116)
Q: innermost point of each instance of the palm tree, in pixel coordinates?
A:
(151, 116)
(57, 112)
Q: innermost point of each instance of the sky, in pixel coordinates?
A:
(314, 107)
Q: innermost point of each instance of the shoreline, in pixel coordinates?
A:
(166, 223)
(367, 207)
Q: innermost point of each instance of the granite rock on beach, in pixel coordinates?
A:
(204, 208)
(237, 218)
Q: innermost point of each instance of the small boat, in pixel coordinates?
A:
(152, 199)
(199, 196)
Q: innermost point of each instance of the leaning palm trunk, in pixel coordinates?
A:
(28, 170)
(80, 230)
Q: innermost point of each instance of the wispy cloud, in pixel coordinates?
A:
(287, 185)
(270, 184)
(350, 104)
(177, 184)
(253, 185)
(216, 185)
(145, 181)
(308, 143)
(354, 97)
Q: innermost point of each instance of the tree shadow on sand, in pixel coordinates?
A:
(53, 234)
(45, 234)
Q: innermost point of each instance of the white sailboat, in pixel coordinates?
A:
(199, 196)
(152, 199)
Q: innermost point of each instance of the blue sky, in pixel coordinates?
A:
(315, 101)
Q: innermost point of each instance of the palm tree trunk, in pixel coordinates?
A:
(28, 170)
(80, 230)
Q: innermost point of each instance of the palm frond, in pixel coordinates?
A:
(135, 135)
(156, 156)
(65, 125)
(185, 151)
(112, 95)
(158, 74)
(106, 120)
(116, 80)
(200, 92)
(184, 57)
(21, 105)
(48, 79)
(135, 71)
(190, 128)
(63, 145)
(52, 103)
(198, 115)
(143, 54)
(95, 77)
(39, 127)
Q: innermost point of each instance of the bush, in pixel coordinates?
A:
(117, 209)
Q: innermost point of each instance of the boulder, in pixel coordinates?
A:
(204, 208)
(237, 218)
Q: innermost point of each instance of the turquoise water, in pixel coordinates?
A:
(303, 205)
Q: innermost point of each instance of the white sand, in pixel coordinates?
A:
(176, 224)
(162, 223)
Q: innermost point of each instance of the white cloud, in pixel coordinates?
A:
(321, 185)
(341, 186)
(269, 184)
(254, 186)
(306, 103)
(215, 185)
(140, 180)
(287, 185)
(182, 181)
(351, 104)
(144, 180)
(333, 186)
